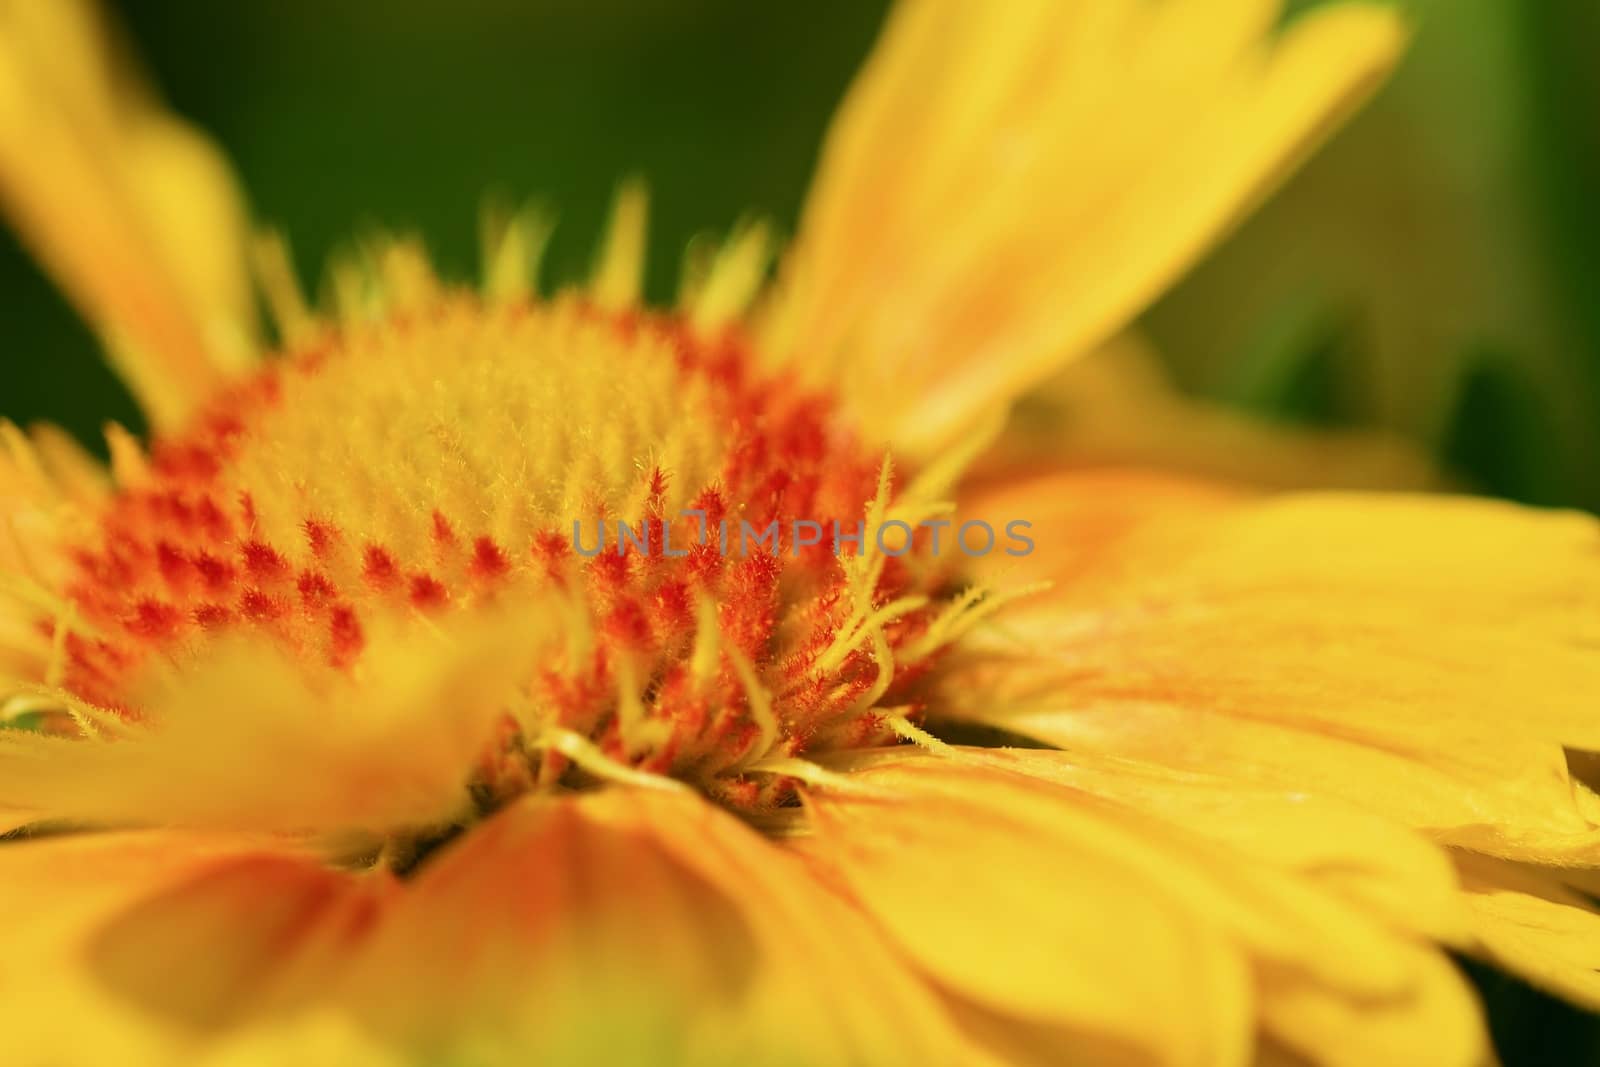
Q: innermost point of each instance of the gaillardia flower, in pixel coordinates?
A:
(333, 738)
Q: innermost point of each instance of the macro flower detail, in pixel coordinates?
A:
(328, 739)
(293, 514)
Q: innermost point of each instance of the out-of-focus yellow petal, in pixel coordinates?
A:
(822, 960)
(1007, 185)
(135, 214)
(68, 994)
(187, 188)
(1013, 1042)
(1529, 923)
(1037, 911)
(327, 1038)
(1430, 654)
(1438, 1025)
(545, 933)
(1115, 407)
(248, 937)
(636, 927)
(243, 737)
(1098, 531)
(623, 927)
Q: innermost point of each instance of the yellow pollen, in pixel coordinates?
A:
(509, 422)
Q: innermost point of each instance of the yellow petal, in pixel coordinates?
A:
(1257, 880)
(1037, 911)
(1430, 656)
(1511, 811)
(248, 937)
(545, 930)
(244, 736)
(616, 927)
(325, 1038)
(823, 961)
(1429, 1016)
(67, 995)
(1007, 185)
(1014, 1042)
(636, 928)
(1100, 530)
(133, 212)
(1438, 1025)
(1395, 875)
(1529, 923)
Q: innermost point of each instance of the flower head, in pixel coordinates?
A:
(494, 676)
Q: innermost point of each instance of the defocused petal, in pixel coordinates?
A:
(314, 1039)
(133, 212)
(1438, 1025)
(244, 736)
(638, 925)
(1115, 407)
(545, 931)
(1099, 531)
(1015, 1042)
(248, 937)
(823, 961)
(69, 995)
(1007, 185)
(623, 926)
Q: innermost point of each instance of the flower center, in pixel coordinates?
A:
(714, 530)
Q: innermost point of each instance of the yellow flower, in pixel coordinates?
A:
(333, 740)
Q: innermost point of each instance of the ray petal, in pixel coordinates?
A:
(1008, 184)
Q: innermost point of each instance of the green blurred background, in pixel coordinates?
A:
(1435, 271)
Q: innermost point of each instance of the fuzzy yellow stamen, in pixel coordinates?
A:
(513, 246)
(274, 271)
(619, 273)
